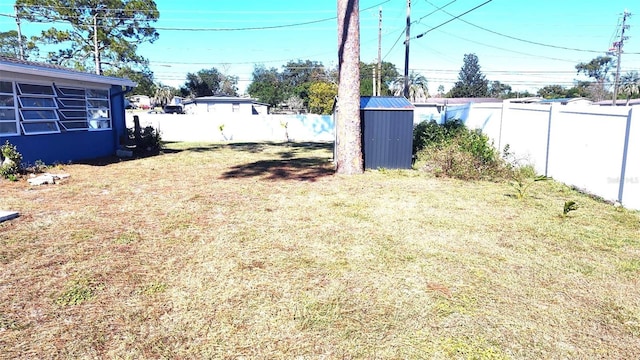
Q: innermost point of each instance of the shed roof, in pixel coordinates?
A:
(385, 103)
(55, 71)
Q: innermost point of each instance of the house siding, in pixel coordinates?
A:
(63, 147)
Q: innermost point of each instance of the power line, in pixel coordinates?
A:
(249, 28)
(513, 37)
(448, 21)
(509, 50)
(435, 11)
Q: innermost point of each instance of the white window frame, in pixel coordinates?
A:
(77, 95)
(14, 108)
(99, 123)
(50, 122)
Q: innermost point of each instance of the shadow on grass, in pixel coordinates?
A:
(252, 147)
(303, 169)
(262, 167)
(109, 160)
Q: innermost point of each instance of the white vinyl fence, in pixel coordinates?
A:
(594, 148)
(229, 127)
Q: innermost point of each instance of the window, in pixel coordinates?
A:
(46, 109)
(72, 108)
(37, 107)
(235, 107)
(8, 116)
(98, 109)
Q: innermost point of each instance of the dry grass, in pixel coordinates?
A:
(259, 251)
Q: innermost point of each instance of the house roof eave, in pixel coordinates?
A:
(60, 73)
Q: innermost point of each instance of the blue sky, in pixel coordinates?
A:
(567, 32)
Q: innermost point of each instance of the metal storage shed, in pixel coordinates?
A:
(387, 132)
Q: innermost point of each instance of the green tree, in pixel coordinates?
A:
(418, 87)
(389, 74)
(597, 69)
(103, 32)
(630, 85)
(297, 77)
(9, 45)
(144, 79)
(208, 82)
(322, 95)
(229, 85)
(580, 89)
(471, 82)
(266, 86)
(553, 92)
(499, 90)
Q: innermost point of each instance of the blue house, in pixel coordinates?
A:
(55, 114)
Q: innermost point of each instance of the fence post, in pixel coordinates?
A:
(504, 103)
(552, 111)
(625, 151)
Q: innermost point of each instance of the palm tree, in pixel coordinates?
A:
(630, 84)
(418, 89)
(163, 95)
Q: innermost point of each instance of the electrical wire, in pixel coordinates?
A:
(253, 28)
(434, 11)
(515, 38)
(450, 20)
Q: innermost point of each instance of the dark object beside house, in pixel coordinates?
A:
(173, 109)
(387, 132)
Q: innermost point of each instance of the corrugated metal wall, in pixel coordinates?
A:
(387, 137)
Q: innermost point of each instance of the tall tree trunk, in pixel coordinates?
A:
(348, 131)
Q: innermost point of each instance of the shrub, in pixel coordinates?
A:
(150, 139)
(452, 150)
(10, 162)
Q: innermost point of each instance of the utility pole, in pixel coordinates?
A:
(96, 49)
(373, 93)
(618, 51)
(379, 79)
(20, 45)
(406, 51)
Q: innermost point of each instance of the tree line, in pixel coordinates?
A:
(104, 36)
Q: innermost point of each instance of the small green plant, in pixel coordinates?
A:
(522, 181)
(523, 176)
(11, 161)
(77, 292)
(221, 128)
(38, 167)
(154, 288)
(285, 126)
(568, 207)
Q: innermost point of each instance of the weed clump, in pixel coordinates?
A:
(453, 150)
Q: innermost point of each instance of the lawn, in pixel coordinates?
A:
(260, 251)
